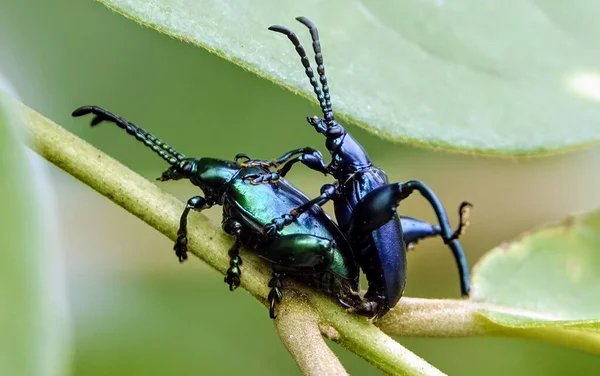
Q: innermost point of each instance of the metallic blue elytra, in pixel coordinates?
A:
(365, 202)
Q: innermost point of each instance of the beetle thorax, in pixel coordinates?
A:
(348, 156)
(213, 175)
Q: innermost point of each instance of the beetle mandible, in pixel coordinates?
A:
(365, 202)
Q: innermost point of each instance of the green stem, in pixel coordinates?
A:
(298, 328)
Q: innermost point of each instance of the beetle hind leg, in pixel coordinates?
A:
(275, 294)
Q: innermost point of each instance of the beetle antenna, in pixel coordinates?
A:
(165, 151)
(314, 33)
(307, 69)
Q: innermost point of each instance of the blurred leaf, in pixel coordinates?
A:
(550, 278)
(33, 320)
(500, 77)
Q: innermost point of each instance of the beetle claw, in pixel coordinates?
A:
(232, 278)
(464, 210)
(181, 247)
(275, 295)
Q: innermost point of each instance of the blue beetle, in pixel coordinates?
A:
(365, 202)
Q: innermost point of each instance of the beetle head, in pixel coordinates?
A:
(180, 170)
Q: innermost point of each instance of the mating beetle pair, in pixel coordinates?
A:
(264, 212)
(364, 201)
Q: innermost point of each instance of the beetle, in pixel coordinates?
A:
(312, 249)
(365, 203)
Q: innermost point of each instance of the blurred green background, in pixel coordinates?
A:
(134, 309)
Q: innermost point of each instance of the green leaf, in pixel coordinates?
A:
(33, 315)
(546, 279)
(500, 77)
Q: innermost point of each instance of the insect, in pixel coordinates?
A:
(312, 249)
(365, 202)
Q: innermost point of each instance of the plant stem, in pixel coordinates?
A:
(298, 327)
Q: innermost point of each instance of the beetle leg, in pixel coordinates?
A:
(414, 229)
(310, 157)
(450, 238)
(266, 178)
(232, 278)
(197, 203)
(371, 308)
(379, 206)
(464, 210)
(275, 295)
(328, 193)
(243, 156)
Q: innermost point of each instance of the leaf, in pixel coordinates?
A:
(501, 77)
(33, 319)
(549, 278)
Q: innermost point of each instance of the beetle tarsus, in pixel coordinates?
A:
(181, 247)
(373, 309)
(464, 211)
(275, 295)
(234, 272)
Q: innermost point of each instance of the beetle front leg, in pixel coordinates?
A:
(328, 193)
(308, 156)
(197, 203)
(450, 237)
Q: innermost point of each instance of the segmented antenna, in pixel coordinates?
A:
(165, 151)
(322, 95)
(314, 33)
